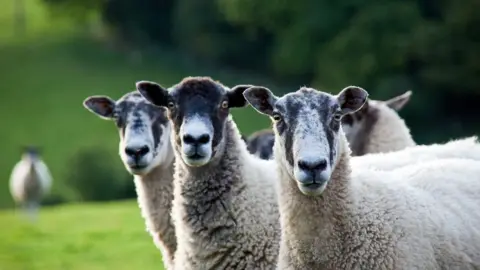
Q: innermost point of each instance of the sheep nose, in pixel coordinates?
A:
(137, 152)
(313, 167)
(197, 140)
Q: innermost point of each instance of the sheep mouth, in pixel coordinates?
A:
(313, 185)
(138, 167)
(195, 156)
(312, 189)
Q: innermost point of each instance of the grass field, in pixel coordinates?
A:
(72, 237)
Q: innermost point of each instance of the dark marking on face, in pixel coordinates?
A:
(359, 142)
(298, 106)
(131, 107)
(203, 97)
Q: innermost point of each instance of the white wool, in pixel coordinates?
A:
(468, 148)
(227, 217)
(390, 132)
(30, 181)
(422, 216)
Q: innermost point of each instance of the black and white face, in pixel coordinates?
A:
(307, 124)
(144, 130)
(198, 108)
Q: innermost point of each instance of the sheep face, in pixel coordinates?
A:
(306, 124)
(356, 125)
(261, 144)
(144, 130)
(198, 108)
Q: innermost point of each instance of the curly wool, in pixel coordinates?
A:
(154, 196)
(226, 214)
(422, 216)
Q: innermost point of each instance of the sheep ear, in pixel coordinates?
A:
(351, 99)
(153, 92)
(261, 99)
(398, 102)
(102, 106)
(235, 96)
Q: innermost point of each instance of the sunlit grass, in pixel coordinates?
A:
(71, 237)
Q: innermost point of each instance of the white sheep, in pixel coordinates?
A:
(30, 181)
(338, 216)
(377, 127)
(225, 206)
(147, 153)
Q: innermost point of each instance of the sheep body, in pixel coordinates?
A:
(417, 217)
(337, 215)
(30, 181)
(226, 217)
(154, 196)
(468, 148)
(224, 207)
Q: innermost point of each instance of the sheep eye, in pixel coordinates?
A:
(224, 104)
(276, 117)
(171, 105)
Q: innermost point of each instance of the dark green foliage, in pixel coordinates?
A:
(93, 176)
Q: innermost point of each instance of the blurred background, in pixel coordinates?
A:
(55, 53)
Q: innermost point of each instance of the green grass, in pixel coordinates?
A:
(71, 237)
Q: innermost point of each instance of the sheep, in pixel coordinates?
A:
(260, 143)
(377, 127)
(30, 181)
(225, 206)
(338, 216)
(147, 154)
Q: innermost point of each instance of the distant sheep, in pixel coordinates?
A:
(30, 181)
(260, 143)
(225, 206)
(335, 215)
(377, 127)
(147, 153)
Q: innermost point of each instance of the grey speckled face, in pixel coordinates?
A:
(144, 130)
(307, 124)
(198, 110)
